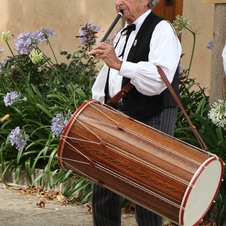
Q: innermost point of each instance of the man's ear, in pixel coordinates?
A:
(146, 2)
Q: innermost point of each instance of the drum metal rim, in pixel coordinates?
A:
(193, 182)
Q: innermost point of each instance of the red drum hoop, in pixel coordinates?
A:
(157, 171)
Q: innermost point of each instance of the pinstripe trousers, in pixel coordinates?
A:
(106, 205)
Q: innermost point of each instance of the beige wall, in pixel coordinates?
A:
(65, 17)
(202, 16)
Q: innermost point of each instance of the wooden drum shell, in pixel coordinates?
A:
(134, 160)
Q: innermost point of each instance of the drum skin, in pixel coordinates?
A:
(157, 171)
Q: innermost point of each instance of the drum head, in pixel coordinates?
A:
(201, 191)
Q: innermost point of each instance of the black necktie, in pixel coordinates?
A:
(127, 31)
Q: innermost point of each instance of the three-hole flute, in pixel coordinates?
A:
(111, 28)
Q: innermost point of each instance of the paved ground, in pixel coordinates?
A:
(19, 208)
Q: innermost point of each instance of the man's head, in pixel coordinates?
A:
(132, 9)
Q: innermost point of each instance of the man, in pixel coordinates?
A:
(153, 43)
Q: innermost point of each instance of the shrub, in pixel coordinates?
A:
(40, 96)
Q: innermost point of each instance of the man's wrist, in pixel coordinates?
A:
(119, 65)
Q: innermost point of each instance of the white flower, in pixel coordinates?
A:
(36, 56)
(217, 113)
(6, 35)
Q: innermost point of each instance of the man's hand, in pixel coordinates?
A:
(106, 52)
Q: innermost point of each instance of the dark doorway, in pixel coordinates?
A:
(169, 9)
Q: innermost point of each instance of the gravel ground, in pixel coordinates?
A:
(18, 207)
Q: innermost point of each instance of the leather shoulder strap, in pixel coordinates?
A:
(164, 78)
(113, 101)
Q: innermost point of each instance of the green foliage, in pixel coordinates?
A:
(45, 89)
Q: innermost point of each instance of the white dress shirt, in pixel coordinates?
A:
(165, 52)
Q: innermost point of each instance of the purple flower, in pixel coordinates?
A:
(88, 33)
(25, 42)
(3, 62)
(2, 50)
(46, 33)
(18, 138)
(59, 122)
(12, 98)
(181, 69)
(209, 45)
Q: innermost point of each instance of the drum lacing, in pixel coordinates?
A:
(144, 138)
(137, 186)
(73, 148)
(162, 171)
(157, 169)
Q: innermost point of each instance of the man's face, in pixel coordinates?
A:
(132, 9)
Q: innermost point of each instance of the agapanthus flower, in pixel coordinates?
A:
(36, 56)
(6, 35)
(46, 33)
(217, 113)
(180, 23)
(210, 45)
(3, 62)
(59, 122)
(25, 42)
(180, 69)
(19, 138)
(13, 97)
(88, 33)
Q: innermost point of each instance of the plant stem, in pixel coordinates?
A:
(10, 48)
(193, 50)
(15, 58)
(52, 50)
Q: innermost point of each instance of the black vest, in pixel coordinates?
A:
(135, 104)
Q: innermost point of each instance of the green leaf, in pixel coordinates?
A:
(45, 110)
(28, 170)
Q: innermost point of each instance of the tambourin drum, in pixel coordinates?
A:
(157, 171)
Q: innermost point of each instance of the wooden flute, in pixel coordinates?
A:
(111, 28)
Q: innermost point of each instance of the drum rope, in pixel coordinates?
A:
(73, 148)
(81, 173)
(124, 179)
(157, 169)
(72, 160)
(145, 138)
(136, 185)
(111, 147)
(89, 130)
(146, 165)
(164, 172)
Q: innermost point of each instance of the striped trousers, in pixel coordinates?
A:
(106, 205)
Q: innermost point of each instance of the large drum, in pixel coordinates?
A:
(167, 176)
